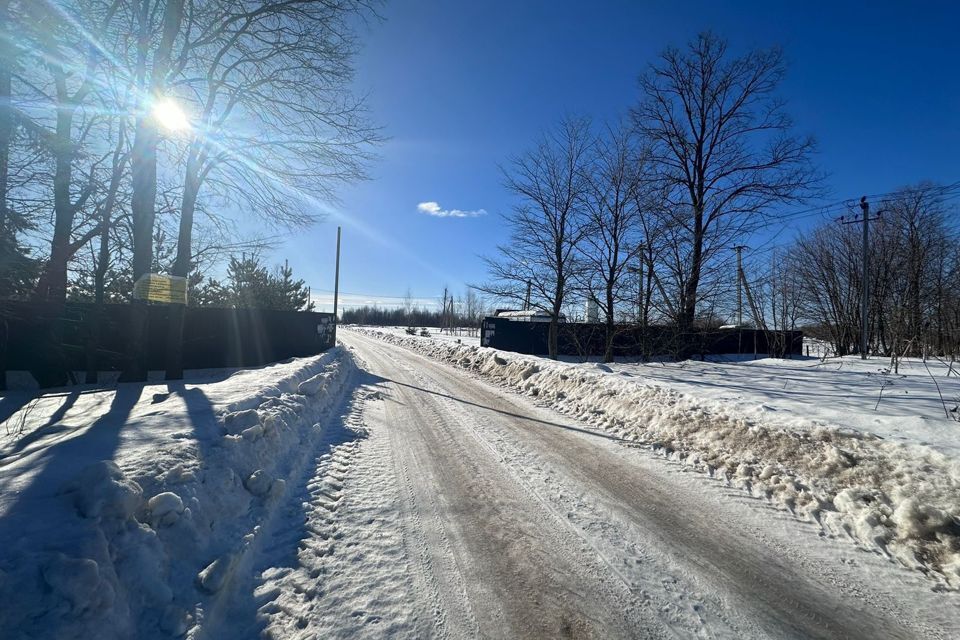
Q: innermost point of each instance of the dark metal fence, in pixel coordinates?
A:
(589, 339)
(48, 340)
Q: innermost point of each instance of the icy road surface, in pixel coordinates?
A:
(465, 511)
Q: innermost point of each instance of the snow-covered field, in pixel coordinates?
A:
(916, 405)
(132, 512)
(861, 395)
(435, 334)
(802, 433)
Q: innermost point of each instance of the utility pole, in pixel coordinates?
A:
(526, 301)
(443, 313)
(864, 302)
(640, 290)
(639, 271)
(336, 288)
(739, 249)
(865, 278)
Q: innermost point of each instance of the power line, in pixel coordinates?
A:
(945, 193)
(373, 295)
(841, 206)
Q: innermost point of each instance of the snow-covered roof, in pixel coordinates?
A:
(529, 313)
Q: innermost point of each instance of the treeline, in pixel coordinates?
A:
(913, 277)
(637, 216)
(145, 136)
(641, 219)
(419, 317)
(467, 310)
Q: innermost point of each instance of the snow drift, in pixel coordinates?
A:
(141, 544)
(900, 500)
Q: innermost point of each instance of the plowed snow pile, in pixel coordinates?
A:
(125, 513)
(900, 499)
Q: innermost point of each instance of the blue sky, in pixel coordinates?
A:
(460, 86)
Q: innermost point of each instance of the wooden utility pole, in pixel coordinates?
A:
(443, 313)
(865, 278)
(336, 288)
(739, 250)
(865, 294)
(640, 290)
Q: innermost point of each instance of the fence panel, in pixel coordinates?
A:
(49, 339)
(589, 339)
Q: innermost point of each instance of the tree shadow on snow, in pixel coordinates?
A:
(250, 608)
(61, 462)
(52, 425)
(199, 411)
(12, 401)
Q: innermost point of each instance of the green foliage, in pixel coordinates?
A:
(207, 292)
(251, 284)
(117, 286)
(18, 270)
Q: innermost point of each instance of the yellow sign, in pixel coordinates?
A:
(155, 287)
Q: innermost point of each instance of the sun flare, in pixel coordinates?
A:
(170, 116)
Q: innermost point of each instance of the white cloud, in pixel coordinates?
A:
(433, 209)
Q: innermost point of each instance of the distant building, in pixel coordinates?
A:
(531, 315)
(592, 310)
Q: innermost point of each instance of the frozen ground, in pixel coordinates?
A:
(517, 521)
(375, 492)
(900, 498)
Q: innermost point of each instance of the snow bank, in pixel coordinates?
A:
(900, 500)
(139, 545)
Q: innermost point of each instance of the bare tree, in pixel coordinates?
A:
(612, 240)
(151, 70)
(473, 308)
(723, 150)
(20, 160)
(775, 298)
(912, 276)
(408, 304)
(277, 125)
(60, 100)
(62, 45)
(8, 57)
(916, 216)
(546, 226)
(828, 268)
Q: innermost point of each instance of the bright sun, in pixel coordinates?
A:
(170, 116)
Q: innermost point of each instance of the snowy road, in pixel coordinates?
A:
(466, 511)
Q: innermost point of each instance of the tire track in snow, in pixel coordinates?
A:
(421, 539)
(701, 569)
(680, 605)
(528, 576)
(788, 596)
(351, 576)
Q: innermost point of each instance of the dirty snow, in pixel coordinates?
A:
(899, 496)
(861, 395)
